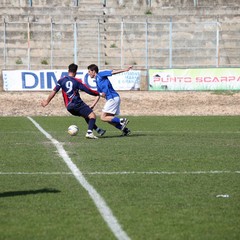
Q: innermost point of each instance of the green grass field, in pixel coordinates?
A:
(174, 178)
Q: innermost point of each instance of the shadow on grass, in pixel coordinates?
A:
(121, 136)
(28, 192)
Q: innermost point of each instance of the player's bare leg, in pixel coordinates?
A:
(119, 123)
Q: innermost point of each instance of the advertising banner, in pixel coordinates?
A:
(194, 79)
(45, 80)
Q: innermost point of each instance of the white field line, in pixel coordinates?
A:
(162, 173)
(36, 173)
(124, 173)
(100, 203)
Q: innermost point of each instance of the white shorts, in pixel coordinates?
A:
(112, 106)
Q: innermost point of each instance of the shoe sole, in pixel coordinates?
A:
(91, 137)
(127, 134)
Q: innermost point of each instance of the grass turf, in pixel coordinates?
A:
(158, 181)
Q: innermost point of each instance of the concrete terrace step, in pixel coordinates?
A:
(50, 3)
(171, 3)
(173, 11)
(193, 40)
(59, 12)
(45, 19)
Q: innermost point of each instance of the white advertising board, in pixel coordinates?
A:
(194, 79)
(45, 80)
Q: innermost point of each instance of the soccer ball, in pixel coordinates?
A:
(73, 130)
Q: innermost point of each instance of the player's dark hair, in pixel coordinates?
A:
(93, 67)
(73, 68)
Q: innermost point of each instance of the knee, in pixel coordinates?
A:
(92, 115)
(103, 118)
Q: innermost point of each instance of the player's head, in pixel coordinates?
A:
(92, 70)
(72, 68)
(93, 67)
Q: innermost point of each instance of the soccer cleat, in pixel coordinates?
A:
(91, 136)
(101, 132)
(126, 132)
(124, 122)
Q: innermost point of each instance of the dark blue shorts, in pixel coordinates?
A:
(79, 109)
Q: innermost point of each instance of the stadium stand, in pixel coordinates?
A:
(41, 34)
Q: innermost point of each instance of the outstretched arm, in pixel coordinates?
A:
(122, 70)
(97, 99)
(95, 102)
(44, 102)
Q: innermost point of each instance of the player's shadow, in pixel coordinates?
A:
(28, 192)
(129, 136)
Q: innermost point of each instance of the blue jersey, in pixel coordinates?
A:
(104, 85)
(70, 89)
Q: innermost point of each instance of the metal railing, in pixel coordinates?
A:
(144, 44)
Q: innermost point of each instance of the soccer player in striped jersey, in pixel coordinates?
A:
(75, 105)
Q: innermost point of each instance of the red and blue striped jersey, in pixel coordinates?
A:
(70, 89)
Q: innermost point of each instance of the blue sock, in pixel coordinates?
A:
(87, 121)
(118, 126)
(91, 123)
(115, 120)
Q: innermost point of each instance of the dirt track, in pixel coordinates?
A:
(133, 103)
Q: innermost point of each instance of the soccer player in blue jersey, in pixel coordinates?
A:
(112, 105)
(70, 90)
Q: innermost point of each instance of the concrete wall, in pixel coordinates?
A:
(99, 28)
